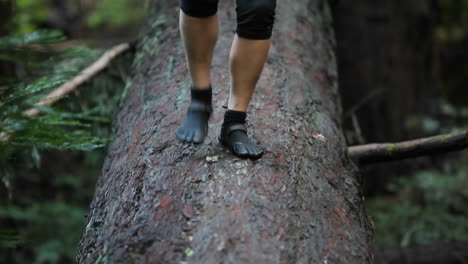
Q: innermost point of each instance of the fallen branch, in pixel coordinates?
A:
(81, 78)
(372, 153)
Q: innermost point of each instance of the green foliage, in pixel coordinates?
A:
(454, 19)
(29, 49)
(36, 37)
(46, 180)
(29, 13)
(427, 207)
(9, 238)
(62, 220)
(45, 223)
(52, 129)
(116, 12)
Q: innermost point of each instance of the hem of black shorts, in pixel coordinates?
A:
(254, 35)
(200, 14)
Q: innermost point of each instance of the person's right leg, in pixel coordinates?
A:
(198, 25)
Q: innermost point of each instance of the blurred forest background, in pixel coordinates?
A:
(403, 72)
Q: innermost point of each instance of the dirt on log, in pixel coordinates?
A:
(162, 201)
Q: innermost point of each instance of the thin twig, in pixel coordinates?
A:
(364, 100)
(357, 129)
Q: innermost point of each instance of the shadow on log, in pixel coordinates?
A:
(162, 201)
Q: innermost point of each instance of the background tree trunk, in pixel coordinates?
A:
(388, 55)
(6, 17)
(387, 47)
(161, 201)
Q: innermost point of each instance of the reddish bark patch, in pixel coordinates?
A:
(135, 139)
(263, 113)
(279, 159)
(338, 218)
(281, 231)
(321, 77)
(274, 177)
(335, 245)
(291, 33)
(165, 201)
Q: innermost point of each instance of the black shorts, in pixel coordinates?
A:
(255, 18)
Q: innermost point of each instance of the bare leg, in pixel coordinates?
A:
(246, 62)
(199, 36)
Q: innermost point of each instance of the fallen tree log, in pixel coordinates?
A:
(162, 201)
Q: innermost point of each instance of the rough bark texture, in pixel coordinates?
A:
(161, 201)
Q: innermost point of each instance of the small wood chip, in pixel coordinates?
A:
(212, 159)
(188, 211)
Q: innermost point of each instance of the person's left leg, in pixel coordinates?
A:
(247, 57)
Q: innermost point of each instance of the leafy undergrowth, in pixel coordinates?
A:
(426, 207)
(49, 163)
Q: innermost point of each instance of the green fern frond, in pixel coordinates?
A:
(54, 128)
(44, 36)
(41, 84)
(9, 238)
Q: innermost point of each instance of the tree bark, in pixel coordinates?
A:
(162, 201)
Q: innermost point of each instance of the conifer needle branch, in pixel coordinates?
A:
(81, 78)
(66, 88)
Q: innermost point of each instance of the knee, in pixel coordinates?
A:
(255, 18)
(199, 8)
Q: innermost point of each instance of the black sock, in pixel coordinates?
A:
(237, 140)
(234, 116)
(195, 126)
(203, 95)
